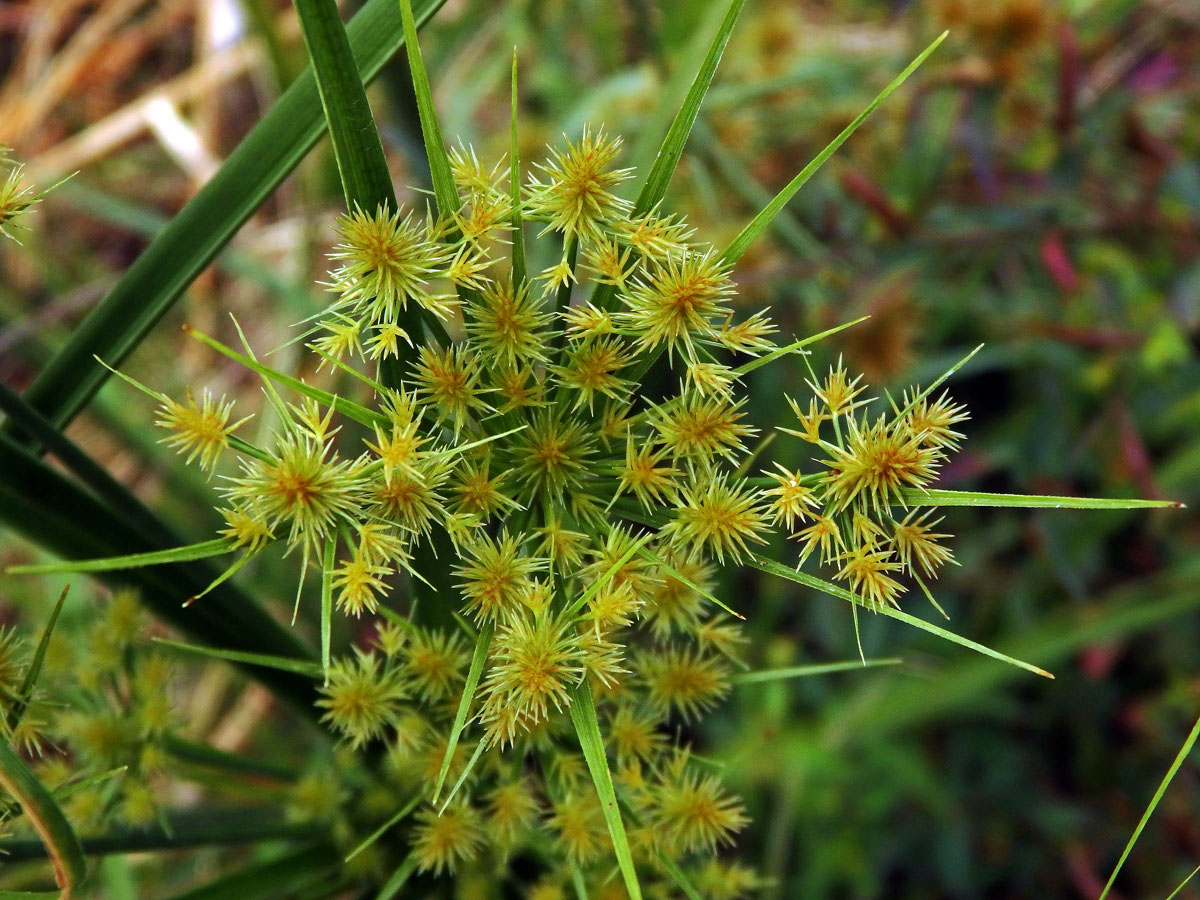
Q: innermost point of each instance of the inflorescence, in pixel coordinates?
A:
(586, 461)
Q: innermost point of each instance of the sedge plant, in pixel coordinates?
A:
(526, 459)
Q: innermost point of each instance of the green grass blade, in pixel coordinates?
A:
(1183, 884)
(671, 148)
(282, 876)
(304, 667)
(348, 408)
(464, 704)
(203, 550)
(193, 827)
(73, 787)
(687, 582)
(804, 671)
(1158, 795)
(379, 832)
(514, 174)
(29, 682)
(206, 224)
(795, 237)
(201, 754)
(934, 497)
(444, 190)
(773, 568)
(479, 748)
(587, 727)
(676, 875)
(362, 166)
(794, 346)
(398, 878)
(609, 573)
(81, 465)
(357, 149)
(61, 845)
(759, 223)
(327, 564)
(936, 383)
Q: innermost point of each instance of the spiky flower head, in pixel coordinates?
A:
(683, 680)
(15, 196)
(677, 300)
(575, 192)
(537, 662)
(301, 485)
(694, 812)
(444, 840)
(496, 575)
(361, 697)
(386, 260)
(718, 519)
(201, 430)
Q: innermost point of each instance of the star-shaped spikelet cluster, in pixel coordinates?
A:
(577, 438)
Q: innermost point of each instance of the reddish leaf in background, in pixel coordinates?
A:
(1058, 263)
(862, 188)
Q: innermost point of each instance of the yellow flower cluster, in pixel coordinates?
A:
(586, 459)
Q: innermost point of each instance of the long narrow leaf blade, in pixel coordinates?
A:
(435, 147)
(91, 473)
(671, 149)
(789, 672)
(286, 874)
(793, 347)
(348, 408)
(1027, 501)
(42, 813)
(207, 223)
(327, 603)
(29, 682)
(514, 175)
(398, 878)
(203, 550)
(266, 660)
(1158, 795)
(587, 728)
(379, 832)
(759, 223)
(482, 645)
(356, 145)
(773, 568)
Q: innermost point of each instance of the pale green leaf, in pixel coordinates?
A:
(788, 672)
(773, 568)
(587, 728)
(46, 819)
(482, 645)
(1188, 743)
(202, 550)
(310, 668)
(759, 223)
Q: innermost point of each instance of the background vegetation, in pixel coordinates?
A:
(1034, 187)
